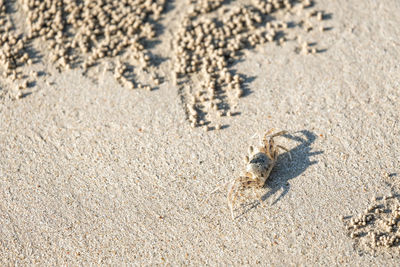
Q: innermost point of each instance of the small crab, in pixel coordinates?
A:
(259, 166)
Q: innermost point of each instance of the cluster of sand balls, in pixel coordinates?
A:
(205, 6)
(13, 50)
(92, 30)
(81, 33)
(378, 227)
(206, 46)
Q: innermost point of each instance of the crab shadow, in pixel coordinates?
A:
(288, 167)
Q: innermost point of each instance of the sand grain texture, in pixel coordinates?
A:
(96, 173)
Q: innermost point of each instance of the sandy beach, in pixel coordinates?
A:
(94, 172)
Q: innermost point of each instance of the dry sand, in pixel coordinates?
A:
(94, 173)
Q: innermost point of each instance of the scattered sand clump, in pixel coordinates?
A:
(88, 31)
(211, 39)
(81, 34)
(208, 43)
(377, 229)
(13, 52)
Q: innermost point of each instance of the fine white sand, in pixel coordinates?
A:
(94, 173)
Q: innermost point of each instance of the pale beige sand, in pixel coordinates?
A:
(96, 173)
